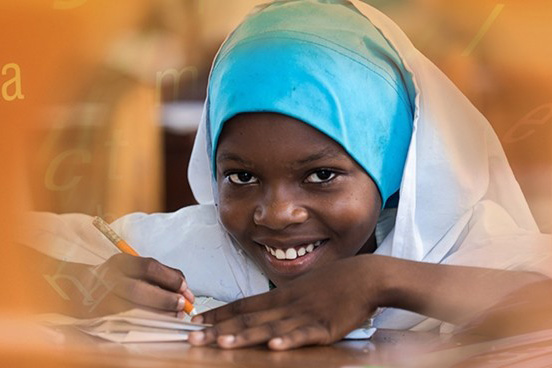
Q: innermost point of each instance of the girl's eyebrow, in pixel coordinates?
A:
(328, 152)
(227, 156)
(325, 153)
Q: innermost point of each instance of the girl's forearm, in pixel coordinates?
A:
(57, 286)
(449, 293)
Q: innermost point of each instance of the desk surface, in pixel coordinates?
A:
(383, 348)
(386, 349)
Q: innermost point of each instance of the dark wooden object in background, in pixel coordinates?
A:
(177, 151)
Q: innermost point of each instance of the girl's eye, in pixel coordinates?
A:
(321, 176)
(242, 178)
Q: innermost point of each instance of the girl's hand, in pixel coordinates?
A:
(124, 282)
(317, 308)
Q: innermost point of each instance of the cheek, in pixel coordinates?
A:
(354, 217)
(235, 215)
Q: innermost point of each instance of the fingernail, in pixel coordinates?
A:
(189, 295)
(181, 315)
(181, 303)
(183, 287)
(276, 341)
(198, 335)
(227, 339)
(197, 319)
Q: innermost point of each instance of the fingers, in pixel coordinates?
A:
(258, 334)
(150, 270)
(279, 334)
(184, 290)
(154, 272)
(145, 294)
(240, 308)
(242, 322)
(302, 336)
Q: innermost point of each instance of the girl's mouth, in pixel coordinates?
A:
(293, 252)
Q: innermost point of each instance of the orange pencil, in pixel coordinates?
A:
(124, 247)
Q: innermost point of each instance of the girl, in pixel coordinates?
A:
(337, 166)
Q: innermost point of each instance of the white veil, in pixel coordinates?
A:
(459, 200)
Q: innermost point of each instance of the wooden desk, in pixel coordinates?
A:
(386, 348)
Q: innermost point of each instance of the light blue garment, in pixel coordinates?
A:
(324, 63)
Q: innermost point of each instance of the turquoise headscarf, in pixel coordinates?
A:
(324, 63)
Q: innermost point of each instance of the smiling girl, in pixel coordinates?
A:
(338, 167)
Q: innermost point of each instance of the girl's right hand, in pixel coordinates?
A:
(124, 282)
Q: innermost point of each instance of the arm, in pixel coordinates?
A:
(183, 240)
(324, 305)
(449, 293)
(120, 283)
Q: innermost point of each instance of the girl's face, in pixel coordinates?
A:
(291, 197)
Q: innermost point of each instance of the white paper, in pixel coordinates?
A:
(136, 325)
(139, 336)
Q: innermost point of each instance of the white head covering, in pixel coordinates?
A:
(459, 200)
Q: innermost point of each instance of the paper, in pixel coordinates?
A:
(360, 333)
(136, 325)
(139, 336)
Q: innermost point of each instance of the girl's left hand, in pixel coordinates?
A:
(317, 308)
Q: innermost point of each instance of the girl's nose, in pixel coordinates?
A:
(277, 213)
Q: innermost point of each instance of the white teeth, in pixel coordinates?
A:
(291, 253)
(280, 254)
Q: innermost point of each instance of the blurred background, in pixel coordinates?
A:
(100, 99)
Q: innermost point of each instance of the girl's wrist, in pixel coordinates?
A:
(381, 285)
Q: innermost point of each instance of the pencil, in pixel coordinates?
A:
(124, 247)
